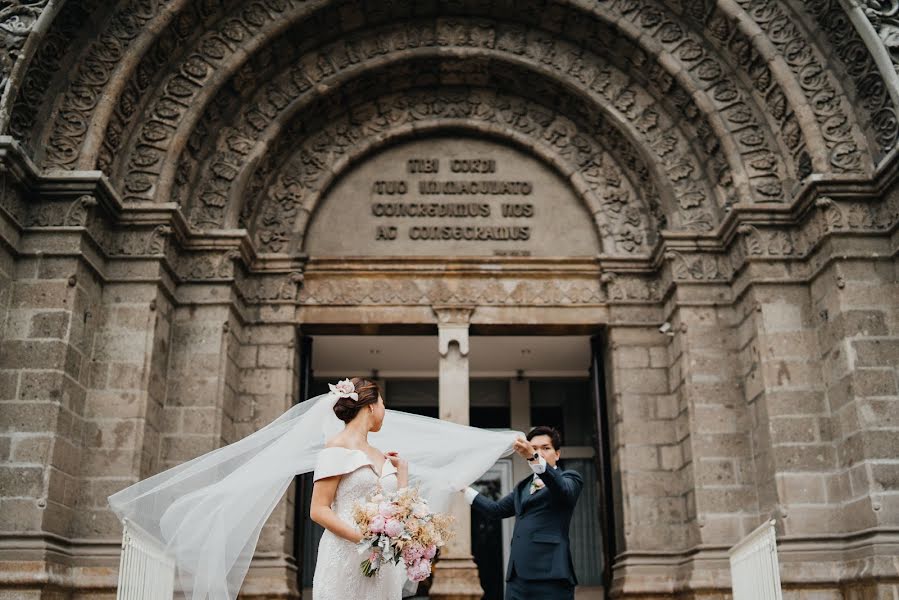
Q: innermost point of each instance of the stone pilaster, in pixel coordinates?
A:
(128, 369)
(721, 503)
(855, 302)
(199, 403)
(647, 458)
(49, 306)
(794, 453)
(857, 305)
(267, 386)
(455, 574)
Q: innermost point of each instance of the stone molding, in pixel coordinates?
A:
(83, 206)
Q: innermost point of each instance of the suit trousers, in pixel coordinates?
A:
(545, 589)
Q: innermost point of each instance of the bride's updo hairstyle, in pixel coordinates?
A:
(346, 409)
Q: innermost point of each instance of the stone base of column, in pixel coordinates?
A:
(271, 579)
(456, 579)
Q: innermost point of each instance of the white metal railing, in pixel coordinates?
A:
(145, 571)
(754, 569)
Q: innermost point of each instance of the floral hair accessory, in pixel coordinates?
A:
(344, 389)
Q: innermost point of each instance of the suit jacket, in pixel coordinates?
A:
(540, 545)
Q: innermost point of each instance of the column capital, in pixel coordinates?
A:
(453, 314)
(452, 326)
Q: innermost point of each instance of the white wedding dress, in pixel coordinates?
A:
(209, 512)
(337, 570)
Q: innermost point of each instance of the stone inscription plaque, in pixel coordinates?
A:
(451, 197)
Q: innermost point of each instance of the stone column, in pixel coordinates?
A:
(456, 574)
(520, 401)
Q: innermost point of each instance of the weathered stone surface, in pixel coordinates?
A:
(722, 167)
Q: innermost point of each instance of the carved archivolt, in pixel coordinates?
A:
(17, 19)
(693, 172)
(672, 110)
(203, 44)
(884, 16)
(873, 102)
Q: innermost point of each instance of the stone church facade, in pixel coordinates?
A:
(709, 188)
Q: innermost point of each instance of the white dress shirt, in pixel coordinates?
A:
(537, 467)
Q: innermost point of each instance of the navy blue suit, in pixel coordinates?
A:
(540, 563)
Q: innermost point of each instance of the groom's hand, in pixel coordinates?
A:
(523, 448)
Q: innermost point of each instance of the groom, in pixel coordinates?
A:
(540, 559)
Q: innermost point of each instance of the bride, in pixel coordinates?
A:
(208, 513)
(350, 470)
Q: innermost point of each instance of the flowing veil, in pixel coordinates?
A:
(209, 511)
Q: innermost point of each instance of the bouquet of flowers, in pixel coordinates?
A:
(400, 526)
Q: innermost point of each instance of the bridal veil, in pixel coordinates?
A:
(209, 511)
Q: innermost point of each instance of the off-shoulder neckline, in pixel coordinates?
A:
(384, 467)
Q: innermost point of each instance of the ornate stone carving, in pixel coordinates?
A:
(200, 267)
(884, 16)
(831, 217)
(54, 49)
(77, 214)
(156, 244)
(17, 18)
(430, 291)
(262, 288)
(211, 51)
(699, 267)
(825, 96)
(237, 141)
(137, 243)
(94, 72)
(752, 137)
(630, 288)
(61, 214)
(873, 99)
(771, 243)
(212, 43)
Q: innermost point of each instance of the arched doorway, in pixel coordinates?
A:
(442, 210)
(165, 165)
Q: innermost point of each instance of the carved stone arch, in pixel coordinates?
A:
(871, 87)
(776, 45)
(770, 156)
(132, 27)
(561, 17)
(225, 172)
(145, 182)
(53, 48)
(847, 95)
(609, 234)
